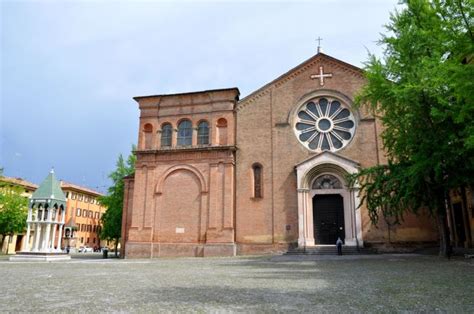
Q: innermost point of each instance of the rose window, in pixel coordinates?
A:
(324, 124)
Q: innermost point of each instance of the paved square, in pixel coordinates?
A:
(250, 284)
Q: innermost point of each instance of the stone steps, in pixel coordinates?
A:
(328, 250)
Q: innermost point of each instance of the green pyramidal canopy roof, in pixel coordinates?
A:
(49, 189)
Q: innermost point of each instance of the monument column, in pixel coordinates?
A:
(60, 234)
(37, 233)
(48, 231)
(55, 223)
(26, 244)
(37, 237)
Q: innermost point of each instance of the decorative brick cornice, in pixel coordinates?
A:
(225, 154)
(186, 149)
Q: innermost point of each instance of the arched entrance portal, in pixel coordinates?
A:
(328, 218)
(328, 209)
(327, 206)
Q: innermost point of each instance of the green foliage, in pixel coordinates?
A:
(422, 91)
(113, 201)
(13, 210)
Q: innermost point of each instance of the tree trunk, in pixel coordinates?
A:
(465, 214)
(444, 239)
(116, 245)
(3, 241)
(445, 248)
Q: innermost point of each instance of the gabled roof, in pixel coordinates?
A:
(49, 189)
(299, 68)
(70, 186)
(235, 89)
(328, 155)
(19, 182)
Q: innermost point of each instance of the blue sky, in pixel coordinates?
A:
(69, 69)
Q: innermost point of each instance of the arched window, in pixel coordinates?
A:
(257, 180)
(222, 131)
(185, 133)
(166, 132)
(203, 133)
(148, 130)
(327, 181)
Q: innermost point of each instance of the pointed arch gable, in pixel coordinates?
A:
(193, 170)
(312, 167)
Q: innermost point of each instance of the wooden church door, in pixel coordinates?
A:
(328, 217)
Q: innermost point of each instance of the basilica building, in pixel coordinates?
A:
(220, 175)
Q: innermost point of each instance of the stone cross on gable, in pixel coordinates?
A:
(321, 76)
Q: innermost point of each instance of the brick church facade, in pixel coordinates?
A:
(220, 176)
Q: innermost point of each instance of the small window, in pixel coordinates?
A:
(93, 240)
(67, 194)
(148, 132)
(222, 131)
(73, 196)
(82, 239)
(78, 212)
(257, 181)
(185, 133)
(203, 133)
(87, 240)
(78, 227)
(80, 197)
(166, 133)
(84, 213)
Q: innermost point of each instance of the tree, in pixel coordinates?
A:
(13, 211)
(422, 91)
(112, 218)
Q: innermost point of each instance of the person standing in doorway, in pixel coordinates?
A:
(339, 246)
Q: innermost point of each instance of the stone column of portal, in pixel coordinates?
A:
(53, 238)
(309, 219)
(309, 240)
(301, 219)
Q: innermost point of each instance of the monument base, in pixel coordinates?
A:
(39, 257)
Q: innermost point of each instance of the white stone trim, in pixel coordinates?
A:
(308, 171)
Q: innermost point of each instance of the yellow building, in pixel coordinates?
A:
(83, 214)
(14, 243)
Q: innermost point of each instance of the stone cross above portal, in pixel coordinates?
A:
(321, 76)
